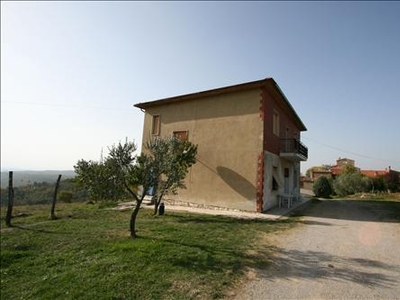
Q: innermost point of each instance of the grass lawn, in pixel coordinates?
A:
(88, 254)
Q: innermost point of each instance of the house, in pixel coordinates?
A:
(342, 164)
(306, 182)
(390, 176)
(316, 173)
(248, 137)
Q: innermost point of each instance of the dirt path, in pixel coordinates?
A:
(343, 250)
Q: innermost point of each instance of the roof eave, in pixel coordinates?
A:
(302, 127)
(208, 93)
(223, 90)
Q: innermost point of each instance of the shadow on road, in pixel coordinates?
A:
(283, 264)
(356, 210)
(314, 265)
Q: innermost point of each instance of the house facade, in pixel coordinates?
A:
(248, 137)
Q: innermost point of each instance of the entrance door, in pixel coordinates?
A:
(286, 182)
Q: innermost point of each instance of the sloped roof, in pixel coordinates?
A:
(373, 173)
(268, 83)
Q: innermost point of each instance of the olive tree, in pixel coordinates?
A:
(171, 159)
(351, 183)
(122, 173)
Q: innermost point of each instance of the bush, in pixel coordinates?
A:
(65, 196)
(322, 187)
(351, 183)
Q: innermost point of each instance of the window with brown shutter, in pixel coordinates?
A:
(275, 123)
(155, 127)
(182, 135)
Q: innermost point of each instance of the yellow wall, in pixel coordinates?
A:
(228, 131)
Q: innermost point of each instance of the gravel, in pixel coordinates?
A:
(343, 250)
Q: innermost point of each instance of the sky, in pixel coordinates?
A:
(71, 72)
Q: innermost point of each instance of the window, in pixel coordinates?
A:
(182, 135)
(286, 172)
(155, 127)
(275, 185)
(275, 123)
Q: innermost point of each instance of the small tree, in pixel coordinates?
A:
(350, 169)
(171, 159)
(351, 183)
(123, 173)
(322, 187)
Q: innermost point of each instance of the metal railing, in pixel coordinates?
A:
(293, 146)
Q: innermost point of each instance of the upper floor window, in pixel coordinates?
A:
(275, 123)
(181, 135)
(155, 126)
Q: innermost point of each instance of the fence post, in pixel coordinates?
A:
(10, 199)
(53, 205)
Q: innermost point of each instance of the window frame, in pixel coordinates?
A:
(155, 125)
(275, 123)
(177, 134)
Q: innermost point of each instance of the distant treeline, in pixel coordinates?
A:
(22, 178)
(42, 193)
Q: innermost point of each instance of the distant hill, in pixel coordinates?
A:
(22, 178)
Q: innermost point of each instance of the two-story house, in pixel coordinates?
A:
(248, 137)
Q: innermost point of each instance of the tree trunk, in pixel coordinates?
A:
(53, 206)
(133, 218)
(159, 198)
(156, 203)
(154, 198)
(10, 199)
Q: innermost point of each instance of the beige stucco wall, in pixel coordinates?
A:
(228, 131)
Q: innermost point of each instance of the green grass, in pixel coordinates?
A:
(88, 254)
(375, 196)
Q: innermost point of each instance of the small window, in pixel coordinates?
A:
(155, 127)
(275, 123)
(286, 172)
(181, 135)
(275, 185)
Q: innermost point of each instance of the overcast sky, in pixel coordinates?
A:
(71, 72)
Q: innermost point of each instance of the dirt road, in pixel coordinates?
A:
(343, 250)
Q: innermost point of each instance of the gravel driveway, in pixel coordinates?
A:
(343, 250)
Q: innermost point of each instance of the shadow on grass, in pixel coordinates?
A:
(283, 264)
(31, 228)
(203, 258)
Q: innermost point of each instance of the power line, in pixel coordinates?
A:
(350, 152)
(64, 105)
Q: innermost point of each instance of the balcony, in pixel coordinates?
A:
(293, 150)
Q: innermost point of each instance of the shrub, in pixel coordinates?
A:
(322, 187)
(65, 196)
(351, 183)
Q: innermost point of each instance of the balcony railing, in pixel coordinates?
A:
(293, 148)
